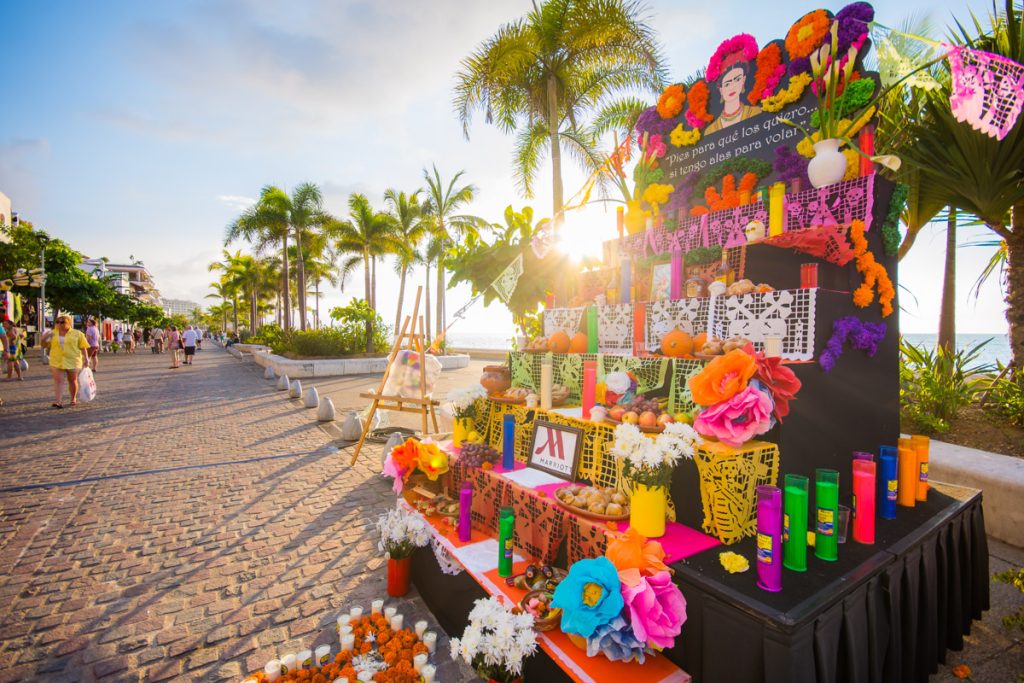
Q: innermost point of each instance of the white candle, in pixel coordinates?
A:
(273, 669)
(430, 640)
(390, 612)
(343, 620)
(396, 622)
(288, 663)
(355, 612)
(305, 659)
(323, 655)
(545, 385)
(348, 641)
(420, 627)
(376, 606)
(428, 672)
(418, 661)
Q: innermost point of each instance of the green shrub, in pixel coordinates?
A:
(347, 339)
(269, 335)
(1015, 578)
(935, 385)
(1006, 398)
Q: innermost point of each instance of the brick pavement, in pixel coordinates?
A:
(188, 524)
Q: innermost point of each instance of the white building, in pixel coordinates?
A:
(182, 306)
(5, 217)
(131, 279)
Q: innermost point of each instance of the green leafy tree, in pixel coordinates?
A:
(543, 75)
(410, 228)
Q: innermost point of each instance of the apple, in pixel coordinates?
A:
(685, 418)
(648, 419)
(630, 417)
(665, 419)
(616, 413)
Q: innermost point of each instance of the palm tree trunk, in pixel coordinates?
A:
(1015, 287)
(439, 296)
(317, 303)
(300, 272)
(253, 311)
(287, 314)
(234, 310)
(366, 290)
(947, 314)
(401, 299)
(373, 282)
(556, 154)
(426, 301)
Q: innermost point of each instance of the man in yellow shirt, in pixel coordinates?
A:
(68, 354)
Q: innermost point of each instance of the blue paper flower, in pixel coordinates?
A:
(590, 596)
(617, 642)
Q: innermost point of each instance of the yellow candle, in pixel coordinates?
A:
(776, 208)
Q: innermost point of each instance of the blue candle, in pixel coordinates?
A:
(508, 442)
(887, 482)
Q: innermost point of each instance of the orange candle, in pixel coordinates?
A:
(906, 494)
(921, 445)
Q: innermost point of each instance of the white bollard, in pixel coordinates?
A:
(268, 373)
(295, 389)
(283, 383)
(326, 412)
(311, 399)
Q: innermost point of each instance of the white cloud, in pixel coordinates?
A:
(236, 202)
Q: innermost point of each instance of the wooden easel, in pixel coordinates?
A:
(412, 333)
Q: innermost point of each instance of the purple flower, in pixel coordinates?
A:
(650, 122)
(800, 66)
(853, 23)
(789, 165)
(862, 336)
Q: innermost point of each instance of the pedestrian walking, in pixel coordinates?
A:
(68, 354)
(118, 339)
(174, 343)
(136, 339)
(188, 341)
(12, 351)
(92, 335)
(199, 339)
(158, 340)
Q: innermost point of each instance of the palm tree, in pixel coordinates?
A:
(542, 75)
(410, 229)
(982, 175)
(445, 225)
(226, 288)
(320, 266)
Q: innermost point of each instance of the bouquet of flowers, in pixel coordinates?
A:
(624, 604)
(496, 641)
(401, 533)
(650, 461)
(406, 458)
(743, 393)
(461, 403)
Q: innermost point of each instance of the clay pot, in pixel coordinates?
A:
(496, 379)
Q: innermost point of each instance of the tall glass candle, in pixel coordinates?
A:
(466, 511)
(508, 441)
(794, 523)
(323, 655)
(625, 280)
(272, 670)
(589, 386)
(304, 659)
(620, 220)
(906, 494)
(921, 446)
(826, 503)
(769, 538)
(676, 286)
(546, 374)
(639, 330)
(887, 482)
(592, 329)
(864, 501)
(776, 208)
(506, 530)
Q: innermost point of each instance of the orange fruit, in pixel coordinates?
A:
(558, 342)
(579, 343)
(677, 344)
(699, 341)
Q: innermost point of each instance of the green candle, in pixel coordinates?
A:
(794, 523)
(826, 501)
(592, 346)
(506, 530)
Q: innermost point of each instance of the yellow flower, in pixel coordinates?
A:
(846, 128)
(657, 193)
(792, 93)
(852, 164)
(684, 138)
(592, 594)
(432, 460)
(733, 563)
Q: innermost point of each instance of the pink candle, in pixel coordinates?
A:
(589, 386)
(864, 501)
(677, 276)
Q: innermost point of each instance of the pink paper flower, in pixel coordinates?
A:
(391, 469)
(739, 419)
(656, 148)
(657, 608)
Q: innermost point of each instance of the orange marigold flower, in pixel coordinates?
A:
(807, 34)
(962, 671)
(723, 378)
(631, 550)
(671, 101)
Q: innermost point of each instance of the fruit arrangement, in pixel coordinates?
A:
(717, 347)
(538, 345)
(535, 577)
(559, 342)
(538, 605)
(649, 414)
(747, 287)
(478, 455)
(513, 395)
(594, 501)
(440, 504)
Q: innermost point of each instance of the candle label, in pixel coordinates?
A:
(826, 521)
(764, 548)
(785, 528)
(284, 669)
(890, 490)
(508, 548)
(324, 659)
(924, 471)
(854, 505)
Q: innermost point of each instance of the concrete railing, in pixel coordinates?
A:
(333, 367)
(1000, 477)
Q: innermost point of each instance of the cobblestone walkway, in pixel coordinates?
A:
(188, 523)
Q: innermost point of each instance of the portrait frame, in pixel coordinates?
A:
(661, 282)
(548, 433)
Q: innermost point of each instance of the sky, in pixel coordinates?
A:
(142, 129)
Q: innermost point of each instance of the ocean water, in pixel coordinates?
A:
(996, 350)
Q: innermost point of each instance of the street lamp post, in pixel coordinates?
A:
(43, 239)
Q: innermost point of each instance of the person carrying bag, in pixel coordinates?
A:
(86, 385)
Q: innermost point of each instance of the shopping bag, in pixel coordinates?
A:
(86, 385)
(24, 364)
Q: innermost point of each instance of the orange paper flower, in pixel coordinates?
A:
(723, 378)
(406, 454)
(671, 101)
(432, 461)
(807, 34)
(632, 550)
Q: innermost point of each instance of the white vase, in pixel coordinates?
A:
(828, 165)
